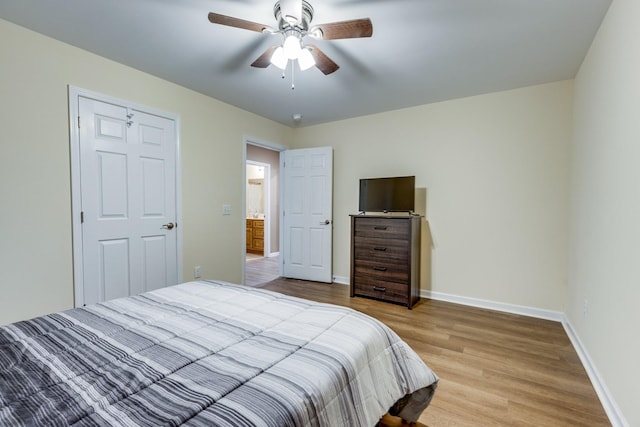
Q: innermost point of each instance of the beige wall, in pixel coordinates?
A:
(495, 170)
(604, 267)
(36, 271)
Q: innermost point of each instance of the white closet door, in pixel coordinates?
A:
(128, 192)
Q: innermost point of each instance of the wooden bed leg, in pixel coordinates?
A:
(391, 421)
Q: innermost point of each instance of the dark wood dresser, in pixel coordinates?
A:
(385, 258)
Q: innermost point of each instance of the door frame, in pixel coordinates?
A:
(76, 194)
(249, 140)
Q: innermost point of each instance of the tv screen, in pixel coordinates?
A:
(395, 194)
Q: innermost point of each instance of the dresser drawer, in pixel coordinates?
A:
(384, 270)
(380, 249)
(381, 289)
(381, 228)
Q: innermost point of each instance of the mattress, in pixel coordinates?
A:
(208, 353)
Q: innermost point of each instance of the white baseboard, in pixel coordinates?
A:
(614, 413)
(341, 280)
(493, 305)
(273, 254)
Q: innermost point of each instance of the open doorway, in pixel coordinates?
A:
(262, 205)
(258, 211)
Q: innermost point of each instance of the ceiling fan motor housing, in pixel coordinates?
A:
(287, 17)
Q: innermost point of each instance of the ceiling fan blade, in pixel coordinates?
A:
(230, 21)
(323, 62)
(264, 60)
(343, 30)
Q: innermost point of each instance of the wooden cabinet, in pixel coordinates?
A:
(385, 258)
(255, 236)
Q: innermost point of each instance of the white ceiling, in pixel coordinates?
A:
(422, 51)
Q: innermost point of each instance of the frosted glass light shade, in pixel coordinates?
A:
(305, 59)
(292, 47)
(279, 59)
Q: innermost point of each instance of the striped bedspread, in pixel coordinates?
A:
(208, 354)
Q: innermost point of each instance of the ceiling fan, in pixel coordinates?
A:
(294, 23)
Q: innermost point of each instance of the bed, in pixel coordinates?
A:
(208, 353)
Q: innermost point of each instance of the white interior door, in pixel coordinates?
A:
(307, 214)
(128, 200)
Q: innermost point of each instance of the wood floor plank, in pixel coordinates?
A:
(259, 270)
(496, 369)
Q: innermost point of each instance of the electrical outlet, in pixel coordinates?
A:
(196, 272)
(226, 209)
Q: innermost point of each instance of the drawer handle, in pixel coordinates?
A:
(380, 227)
(380, 248)
(376, 268)
(378, 288)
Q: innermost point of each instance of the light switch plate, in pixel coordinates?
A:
(226, 209)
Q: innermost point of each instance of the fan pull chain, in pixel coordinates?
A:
(293, 77)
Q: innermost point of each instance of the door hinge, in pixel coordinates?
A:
(130, 115)
(82, 217)
(78, 122)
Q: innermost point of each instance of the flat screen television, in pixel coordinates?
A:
(394, 194)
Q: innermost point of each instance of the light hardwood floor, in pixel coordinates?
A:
(259, 269)
(495, 369)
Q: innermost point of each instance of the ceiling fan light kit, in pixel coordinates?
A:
(293, 18)
(292, 49)
(305, 59)
(292, 45)
(279, 59)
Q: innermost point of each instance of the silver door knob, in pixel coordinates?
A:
(169, 226)
(326, 222)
